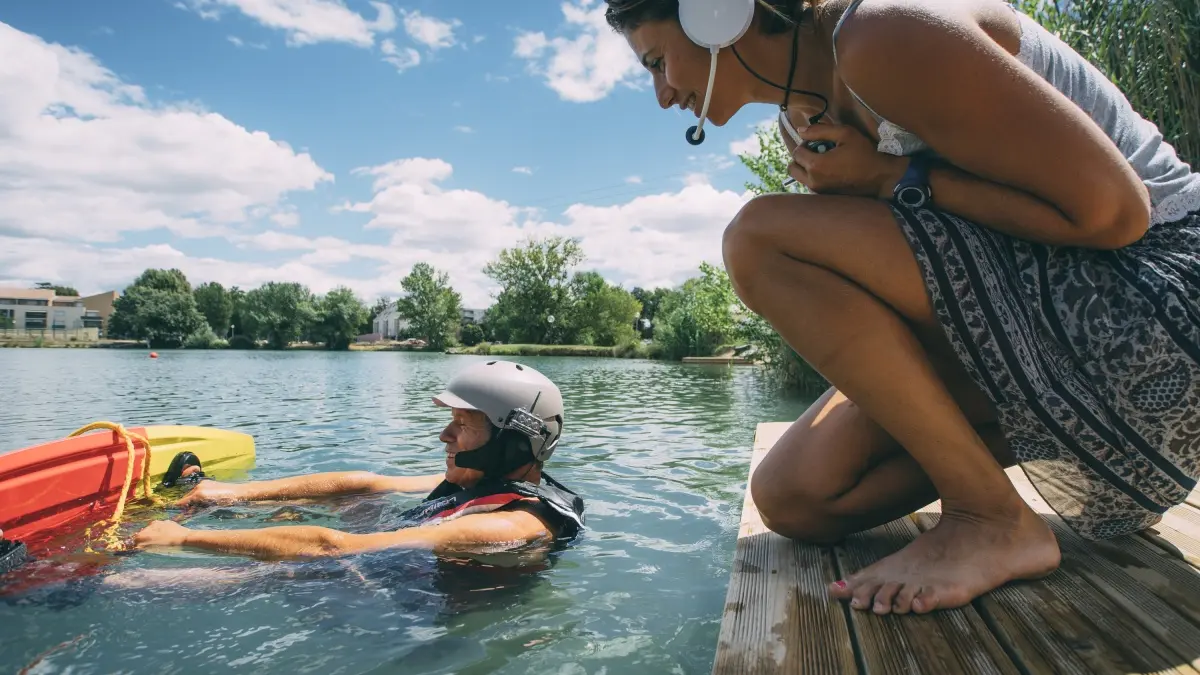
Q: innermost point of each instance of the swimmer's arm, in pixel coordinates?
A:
(317, 485)
(1029, 162)
(468, 533)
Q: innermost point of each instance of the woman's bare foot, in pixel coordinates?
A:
(960, 559)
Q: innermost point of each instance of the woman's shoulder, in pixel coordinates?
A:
(879, 26)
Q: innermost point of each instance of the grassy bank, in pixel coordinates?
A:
(40, 343)
(620, 351)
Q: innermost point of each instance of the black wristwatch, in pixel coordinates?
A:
(913, 189)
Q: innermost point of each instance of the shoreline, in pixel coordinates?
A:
(635, 351)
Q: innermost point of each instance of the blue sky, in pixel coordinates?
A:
(340, 142)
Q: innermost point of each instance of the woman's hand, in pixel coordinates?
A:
(853, 167)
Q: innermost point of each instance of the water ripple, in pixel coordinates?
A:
(659, 452)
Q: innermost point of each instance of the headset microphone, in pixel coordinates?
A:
(714, 24)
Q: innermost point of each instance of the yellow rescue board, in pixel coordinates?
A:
(219, 450)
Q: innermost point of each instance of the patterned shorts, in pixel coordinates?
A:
(1091, 359)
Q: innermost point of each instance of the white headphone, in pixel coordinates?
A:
(713, 24)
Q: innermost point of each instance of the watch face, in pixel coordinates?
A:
(911, 196)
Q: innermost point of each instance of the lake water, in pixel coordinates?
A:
(659, 452)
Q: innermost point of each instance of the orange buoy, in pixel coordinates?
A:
(154, 355)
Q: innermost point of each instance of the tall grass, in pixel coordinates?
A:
(1149, 48)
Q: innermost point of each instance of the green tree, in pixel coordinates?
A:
(58, 290)
(651, 301)
(471, 334)
(431, 306)
(770, 165)
(535, 290)
(340, 318)
(158, 306)
(600, 313)
(216, 304)
(279, 312)
(700, 316)
(238, 313)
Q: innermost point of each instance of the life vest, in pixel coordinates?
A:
(449, 501)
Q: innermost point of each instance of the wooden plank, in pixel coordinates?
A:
(1193, 497)
(948, 641)
(1174, 543)
(1178, 533)
(1127, 605)
(1113, 607)
(778, 617)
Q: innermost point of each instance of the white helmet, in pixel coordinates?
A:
(513, 396)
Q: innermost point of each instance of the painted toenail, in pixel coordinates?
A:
(839, 585)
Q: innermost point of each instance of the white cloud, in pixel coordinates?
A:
(711, 162)
(652, 240)
(655, 240)
(587, 66)
(749, 145)
(634, 180)
(523, 169)
(431, 32)
(93, 269)
(464, 129)
(306, 21)
(240, 43)
(286, 218)
(85, 156)
(402, 59)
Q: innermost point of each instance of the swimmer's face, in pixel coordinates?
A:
(468, 430)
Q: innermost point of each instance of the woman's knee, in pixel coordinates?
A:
(798, 511)
(749, 240)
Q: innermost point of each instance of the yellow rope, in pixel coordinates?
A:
(110, 535)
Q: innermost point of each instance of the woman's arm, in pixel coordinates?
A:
(480, 530)
(301, 487)
(1032, 163)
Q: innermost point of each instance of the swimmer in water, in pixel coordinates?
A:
(494, 495)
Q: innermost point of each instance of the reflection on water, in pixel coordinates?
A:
(658, 452)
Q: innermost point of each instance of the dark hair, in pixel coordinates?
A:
(777, 16)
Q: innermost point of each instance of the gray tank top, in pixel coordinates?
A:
(1174, 188)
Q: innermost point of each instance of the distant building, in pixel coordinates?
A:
(102, 305)
(389, 324)
(43, 310)
(472, 315)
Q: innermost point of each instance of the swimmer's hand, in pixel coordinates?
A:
(212, 492)
(161, 533)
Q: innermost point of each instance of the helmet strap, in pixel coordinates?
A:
(506, 451)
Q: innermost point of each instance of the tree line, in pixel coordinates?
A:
(161, 307)
(544, 298)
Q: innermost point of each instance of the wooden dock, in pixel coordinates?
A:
(1127, 605)
(719, 360)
